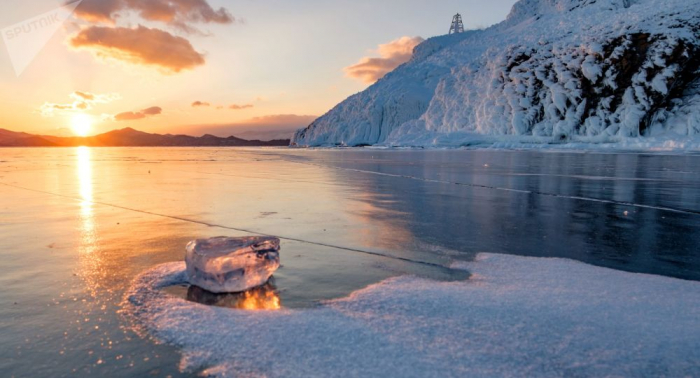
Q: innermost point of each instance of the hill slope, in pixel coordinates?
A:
(554, 70)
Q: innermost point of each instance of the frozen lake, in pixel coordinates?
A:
(78, 225)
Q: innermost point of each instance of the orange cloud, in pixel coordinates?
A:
(141, 45)
(84, 95)
(177, 13)
(200, 103)
(239, 107)
(131, 116)
(392, 55)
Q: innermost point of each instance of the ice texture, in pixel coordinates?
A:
(515, 317)
(229, 265)
(555, 70)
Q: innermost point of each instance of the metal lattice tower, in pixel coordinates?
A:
(457, 25)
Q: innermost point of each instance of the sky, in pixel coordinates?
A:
(247, 68)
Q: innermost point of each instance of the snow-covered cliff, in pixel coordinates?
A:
(554, 70)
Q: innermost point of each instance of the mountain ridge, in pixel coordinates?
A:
(129, 137)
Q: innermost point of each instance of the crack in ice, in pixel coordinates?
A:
(249, 231)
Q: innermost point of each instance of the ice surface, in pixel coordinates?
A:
(516, 316)
(556, 70)
(227, 265)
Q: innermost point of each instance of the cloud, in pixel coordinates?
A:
(84, 95)
(392, 55)
(92, 98)
(131, 116)
(141, 45)
(200, 103)
(240, 107)
(81, 101)
(177, 13)
(153, 110)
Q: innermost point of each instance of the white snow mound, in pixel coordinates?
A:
(554, 71)
(516, 316)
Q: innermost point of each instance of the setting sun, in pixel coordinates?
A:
(81, 124)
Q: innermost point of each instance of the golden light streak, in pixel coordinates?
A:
(91, 264)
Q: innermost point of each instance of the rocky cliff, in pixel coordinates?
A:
(554, 71)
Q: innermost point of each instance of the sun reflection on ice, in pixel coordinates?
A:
(264, 297)
(91, 266)
(260, 300)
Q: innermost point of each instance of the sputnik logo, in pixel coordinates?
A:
(25, 40)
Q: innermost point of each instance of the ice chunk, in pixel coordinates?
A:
(228, 265)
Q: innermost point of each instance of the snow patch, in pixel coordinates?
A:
(522, 317)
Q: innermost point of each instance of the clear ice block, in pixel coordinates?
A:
(229, 265)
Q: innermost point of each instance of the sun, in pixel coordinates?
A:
(81, 124)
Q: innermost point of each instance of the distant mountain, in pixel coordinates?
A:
(11, 138)
(129, 138)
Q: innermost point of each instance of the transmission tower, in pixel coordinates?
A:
(457, 25)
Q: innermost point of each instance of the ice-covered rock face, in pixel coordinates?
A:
(228, 265)
(555, 70)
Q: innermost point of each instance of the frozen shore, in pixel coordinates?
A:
(515, 316)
